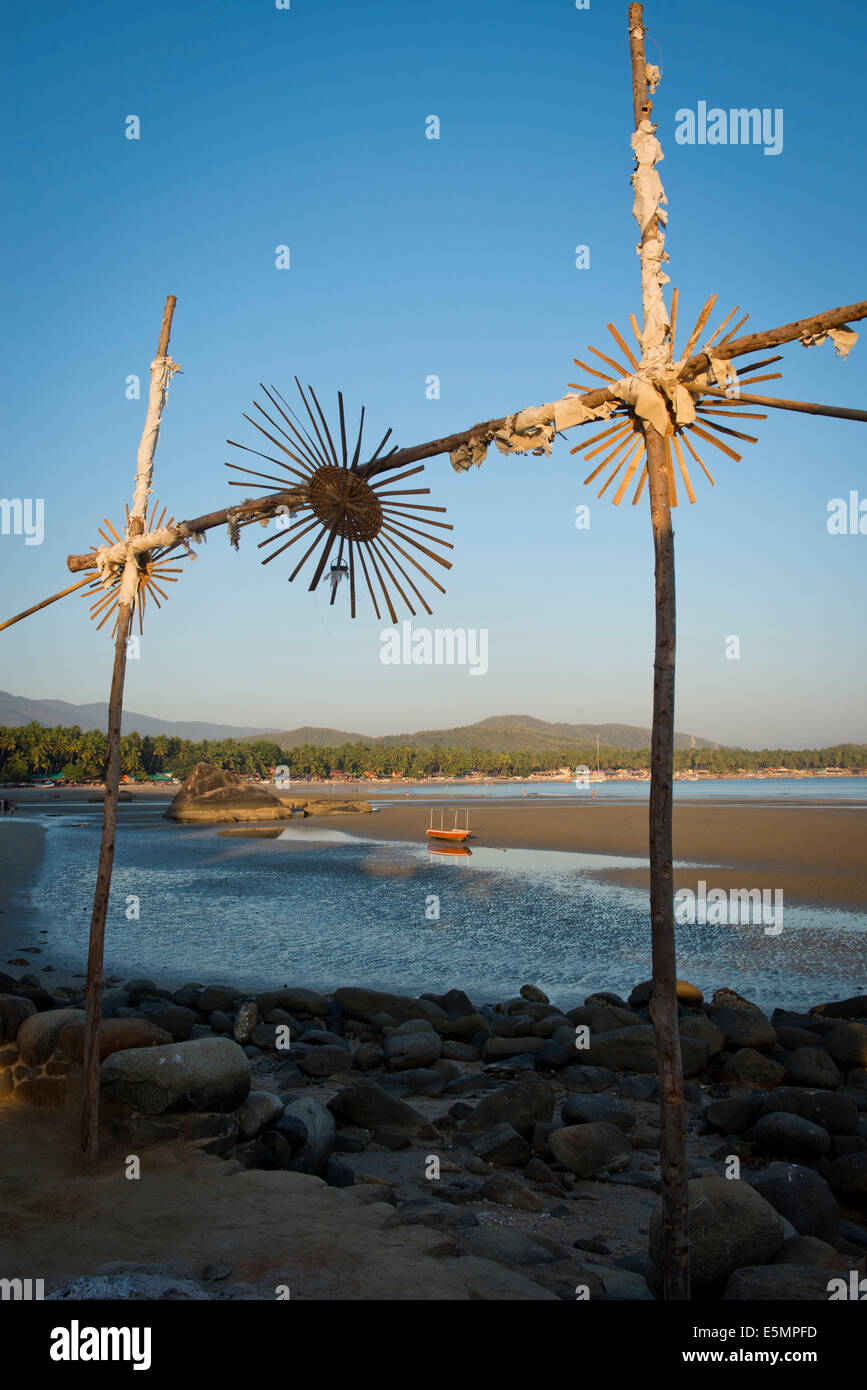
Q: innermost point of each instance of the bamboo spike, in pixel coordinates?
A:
(406, 492)
(317, 573)
(307, 553)
(279, 427)
(621, 342)
(152, 584)
(437, 539)
(256, 424)
(106, 538)
(431, 554)
(235, 482)
(160, 522)
(410, 516)
(627, 478)
(727, 414)
(806, 407)
(367, 579)
(126, 509)
(698, 459)
(699, 325)
(757, 366)
(722, 325)
(110, 597)
(592, 370)
(703, 434)
(673, 319)
(622, 431)
(279, 462)
(313, 422)
(751, 380)
(351, 574)
(636, 449)
(579, 386)
(618, 366)
(724, 429)
(306, 531)
(686, 478)
(669, 470)
(112, 530)
(414, 507)
(641, 481)
(634, 322)
(254, 473)
(419, 595)
(397, 477)
(343, 441)
(101, 625)
(419, 566)
(385, 592)
(375, 455)
(356, 455)
(622, 444)
(326, 429)
(312, 459)
(379, 552)
(613, 429)
(277, 535)
(732, 331)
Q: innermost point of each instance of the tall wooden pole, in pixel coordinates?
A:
(663, 1009)
(93, 1016)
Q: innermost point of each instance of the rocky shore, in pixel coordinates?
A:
(516, 1133)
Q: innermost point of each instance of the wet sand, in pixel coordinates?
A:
(815, 854)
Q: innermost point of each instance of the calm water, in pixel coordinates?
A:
(319, 908)
(851, 790)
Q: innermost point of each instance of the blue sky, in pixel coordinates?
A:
(412, 257)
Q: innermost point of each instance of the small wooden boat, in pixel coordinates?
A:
(454, 832)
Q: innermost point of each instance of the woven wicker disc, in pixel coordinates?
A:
(345, 504)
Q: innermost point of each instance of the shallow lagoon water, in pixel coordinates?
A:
(321, 908)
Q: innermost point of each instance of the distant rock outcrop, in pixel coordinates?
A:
(210, 794)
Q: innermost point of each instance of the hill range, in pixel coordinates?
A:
(505, 733)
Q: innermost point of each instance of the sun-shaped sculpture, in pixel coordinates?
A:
(364, 519)
(625, 438)
(153, 571)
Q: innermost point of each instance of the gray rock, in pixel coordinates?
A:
(802, 1197)
(856, 1007)
(39, 1033)
(508, 1192)
(752, 1070)
(293, 1001)
(325, 1061)
(791, 1136)
(258, 1111)
(503, 1244)
(321, 1131)
(419, 1081)
(847, 1044)
(730, 1225)
(744, 1028)
(702, 1029)
(176, 1020)
(245, 1021)
(838, 1114)
(578, 1110)
(634, 1049)
(812, 1066)
(368, 1003)
(214, 997)
(848, 1179)
(503, 1147)
(370, 1107)
(780, 1283)
(587, 1080)
(809, 1250)
(209, 1074)
(416, 1048)
(427, 1211)
(586, 1149)
(495, 1049)
(13, 1011)
(520, 1104)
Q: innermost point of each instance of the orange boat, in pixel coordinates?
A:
(454, 833)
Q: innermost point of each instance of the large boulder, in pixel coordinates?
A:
(813, 1067)
(13, 1011)
(38, 1035)
(591, 1148)
(790, 1136)
(321, 1131)
(847, 1044)
(412, 1044)
(744, 1028)
(856, 1007)
(587, 1109)
(115, 1035)
(367, 1003)
(634, 1049)
(730, 1225)
(778, 1284)
(370, 1107)
(802, 1197)
(522, 1104)
(204, 1074)
(210, 794)
(848, 1180)
(838, 1114)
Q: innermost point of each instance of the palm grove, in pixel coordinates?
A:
(79, 756)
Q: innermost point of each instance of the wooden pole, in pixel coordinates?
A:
(96, 950)
(663, 1007)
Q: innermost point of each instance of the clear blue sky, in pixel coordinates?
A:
(411, 257)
